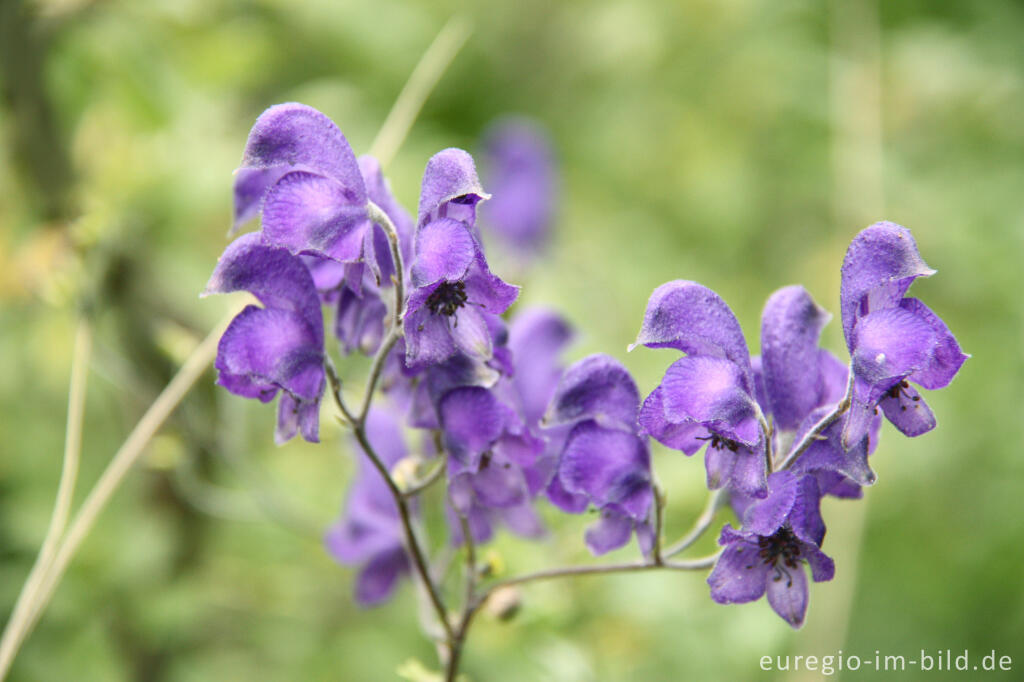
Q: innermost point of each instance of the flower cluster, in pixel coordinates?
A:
(502, 422)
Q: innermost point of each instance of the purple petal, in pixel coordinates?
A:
(499, 483)
(277, 278)
(537, 338)
(522, 520)
(740, 575)
(688, 436)
(488, 291)
(834, 375)
(741, 469)
(377, 580)
(473, 420)
(822, 567)
(859, 417)
(471, 333)
(889, 345)
(251, 185)
(694, 319)
(805, 517)
(947, 358)
(828, 454)
(573, 503)
(444, 251)
(791, 325)
(295, 135)
(309, 213)
(297, 415)
(596, 387)
(359, 324)
(610, 532)
(766, 516)
(710, 391)
(609, 465)
(265, 347)
(450, 188)
(907, 411)
(787, 593)
(520, 172)
(379, 192)
(880, 265)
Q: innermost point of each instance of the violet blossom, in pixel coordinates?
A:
(893, 339)
(604, 460)
(279, 347)
(779, 534)
(708, 396)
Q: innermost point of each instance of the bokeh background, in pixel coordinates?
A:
(740, 143)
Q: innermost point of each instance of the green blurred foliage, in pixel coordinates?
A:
(697, 140)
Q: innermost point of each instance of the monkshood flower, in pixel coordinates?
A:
(801, 384)
(491, 458)
(604, 460)
(369, 533)
(707, 396)
(279, 347)
(520, 172)
(778, 535)
(893, 340)
(453, 295)
(299, 170)
(450, 189)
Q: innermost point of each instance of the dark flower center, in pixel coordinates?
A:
(781, 551)
(901, 389)
(447, 298)
(721, 442)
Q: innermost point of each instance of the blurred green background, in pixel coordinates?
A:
(740, 143)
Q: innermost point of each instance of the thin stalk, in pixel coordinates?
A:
(432, 477)
(715, 501)
(412, 543)
(841, 407)
(421, 83)
(17, 626)
(459, 638)
(123, 461)
(659, 522)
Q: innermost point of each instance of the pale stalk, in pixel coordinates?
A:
(125, 458)
(715, 501)
(17, 626)
(421, 83)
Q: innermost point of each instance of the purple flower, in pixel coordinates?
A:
(279, 347)
(453, 294)
(451, 189)
(299, 170)
(893, 340)
(802, 383)
(522, 177)
(707, 396)
(492, 459)
(604, 460)
(370, 532)
(779, 534)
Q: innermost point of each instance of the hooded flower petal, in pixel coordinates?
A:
(710, 390)
(596, 387)
(790, 327)
(692, 318)
(472, 419)
(289, 137)
(889, 345)
(450, 188)
(688, 436)
(444, 251)
(828, 454)
(610, 466)
(880, 265)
